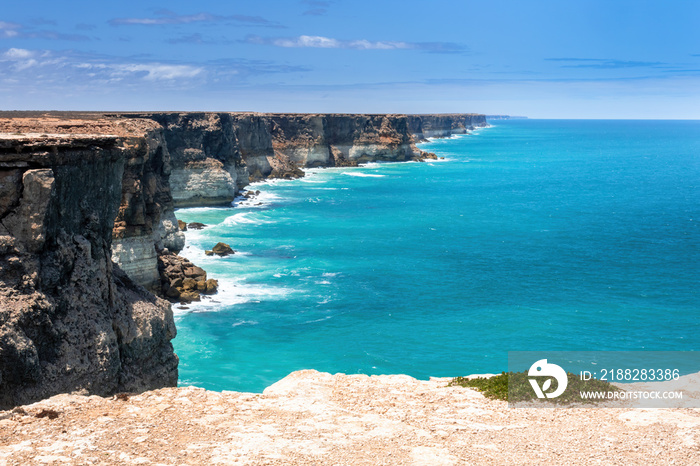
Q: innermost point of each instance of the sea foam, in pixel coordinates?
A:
(368, 175)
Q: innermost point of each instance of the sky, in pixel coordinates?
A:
(537, 58)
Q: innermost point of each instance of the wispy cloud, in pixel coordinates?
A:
(42, 68)
(250, 68)
(18, 31)
(316, 7)
(54, 35)
(305, 41)
(69, 64)
(167, 17)
(9, 30)
(605, 63)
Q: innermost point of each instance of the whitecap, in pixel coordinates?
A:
(244, 322)
(312, 180)
(317, 320)
(248, 218)
(200, 210)
(236, 291)
(368, 175)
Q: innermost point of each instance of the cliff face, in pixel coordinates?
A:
(444, 125)
(204, 157)
(330, 140)
(145, 222)
(69, 318)
(214, 155)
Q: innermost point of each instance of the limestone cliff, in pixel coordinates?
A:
(70, 319)
(444, 125)
(205, 159)
(214, 155)
(145, 222)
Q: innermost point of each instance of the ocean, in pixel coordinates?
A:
(530, 235)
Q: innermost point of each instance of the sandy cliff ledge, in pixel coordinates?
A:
(317, 418)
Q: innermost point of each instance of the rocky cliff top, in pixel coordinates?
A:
(317, 418)
(28, 126)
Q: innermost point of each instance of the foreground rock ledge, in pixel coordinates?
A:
(317, 418)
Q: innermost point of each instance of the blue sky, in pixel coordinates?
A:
(543, 59)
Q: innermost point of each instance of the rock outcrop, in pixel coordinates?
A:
(221, 249)
(70, 319)
(181, 280)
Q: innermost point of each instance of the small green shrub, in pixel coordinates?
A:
(496, 387)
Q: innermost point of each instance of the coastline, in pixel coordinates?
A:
(77, 244)
(311, 416)
(242, 206)
(243, 289)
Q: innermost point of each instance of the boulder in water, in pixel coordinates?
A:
(222, 249)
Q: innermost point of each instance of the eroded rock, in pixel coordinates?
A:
(182, 281)
(222, 249)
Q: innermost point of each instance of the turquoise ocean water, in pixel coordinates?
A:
(530, 235)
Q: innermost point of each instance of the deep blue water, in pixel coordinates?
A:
(530, 235)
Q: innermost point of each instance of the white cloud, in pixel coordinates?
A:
(166, 17)
(308, 41)
(15, 31)
(67, 69)
(159, 71)
(21, 59)
(183, 19)
(329, 43)
(367, 45)
(18, 54)
(305, 41)
(69, 66)
(9, 30)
